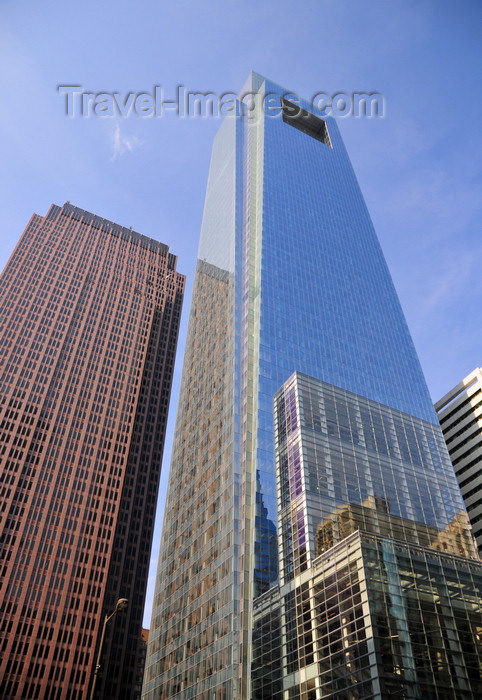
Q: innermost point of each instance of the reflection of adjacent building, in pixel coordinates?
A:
(197, 576)
(381, 587)
(266, 547)
(141, 662)
(346, 462)
(373, 516)
(460, 416)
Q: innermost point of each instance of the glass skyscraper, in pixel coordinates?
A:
(290, 278)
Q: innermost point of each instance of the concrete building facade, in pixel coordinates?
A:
(460, 416)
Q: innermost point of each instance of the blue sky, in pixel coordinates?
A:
(419, 166)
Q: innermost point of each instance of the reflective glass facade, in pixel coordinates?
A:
(290, 277)
(345, 462)
(366, 607)
(376, 618)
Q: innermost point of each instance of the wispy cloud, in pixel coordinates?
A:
(121, 143)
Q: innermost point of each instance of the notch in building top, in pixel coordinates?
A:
(305, 121)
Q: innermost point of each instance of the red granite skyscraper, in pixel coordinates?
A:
(89, 320)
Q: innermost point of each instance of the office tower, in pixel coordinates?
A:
(290, 278)
(89, 323)
(460, 416)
